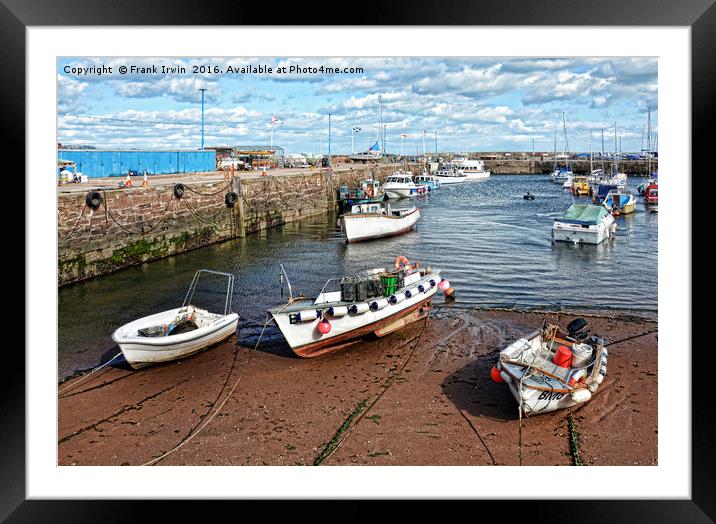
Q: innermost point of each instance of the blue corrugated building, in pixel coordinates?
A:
(96, 163)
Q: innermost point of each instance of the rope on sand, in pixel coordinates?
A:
(223, 402)
(75, 383)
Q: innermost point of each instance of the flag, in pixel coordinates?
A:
(403, 136)
(356, 129)
(274, 120)
(374, 147)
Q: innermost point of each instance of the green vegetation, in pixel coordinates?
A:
(574, 442)
(333, 443)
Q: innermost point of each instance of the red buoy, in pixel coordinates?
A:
(324, 326)
(495, 375)
(563, 357)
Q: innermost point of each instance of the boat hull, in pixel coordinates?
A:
(359, 228)
(306, 340)
(451, 179)
(141, 351)
(575, 233)
(476, 175)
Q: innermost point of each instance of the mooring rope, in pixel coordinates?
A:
(198, 216)
(84, 377)
(380, 395)
(227, 186)
(74, 228)
(126, 230)
(191, 436)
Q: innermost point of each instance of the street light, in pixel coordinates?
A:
(202, 89)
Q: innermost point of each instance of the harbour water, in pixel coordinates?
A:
(493, 246)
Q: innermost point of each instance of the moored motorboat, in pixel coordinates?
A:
(450, 176)
(375, 301)
(621, 202)
(651, 197)
(584, 223)
(427, 179)
(472, 169)
(549, 370)
(377, 220)
(179, 332)
(401, 185)
(368, 191)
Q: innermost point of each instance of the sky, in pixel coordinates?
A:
(473, 103)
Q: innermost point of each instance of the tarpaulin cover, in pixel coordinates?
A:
(584, 214)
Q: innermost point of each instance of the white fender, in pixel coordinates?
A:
(379, 304)
(593, 386)
(359, 308)
(581, 395)
(339, 311)
(397, 298)
(308, 315)
(599, 379)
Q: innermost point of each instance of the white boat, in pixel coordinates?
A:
(377, 220)
(567, 183)
(620, 201)
(429, 180)
(176, 333)
(400, 185)
(549, 370)
(584, 223)
(376, 301)
(472, 169)
(450, 176)
(562, 174)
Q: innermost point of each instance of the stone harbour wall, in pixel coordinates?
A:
(139, 224)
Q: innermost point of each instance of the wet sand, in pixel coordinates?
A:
(420, 396)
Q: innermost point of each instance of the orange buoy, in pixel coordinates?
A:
(495, 375)
(563, 357)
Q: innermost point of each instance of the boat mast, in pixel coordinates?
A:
(616, 151)
(602, 154)
(648, 143)
(590, 153)
(554, 156)
(566, 141)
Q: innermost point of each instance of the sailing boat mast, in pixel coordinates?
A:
(591, 156)
(602, 154)
(616, 161)
(648, 142)
(554, 156)
(566, 142)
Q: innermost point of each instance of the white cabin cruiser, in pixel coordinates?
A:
(450, 176)
(376, 220)
(176, 333)
(375, 301)
(400, 185)
(584, 223)
(472, 169)
(549, 370)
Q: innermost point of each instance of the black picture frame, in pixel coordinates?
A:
(700, 15)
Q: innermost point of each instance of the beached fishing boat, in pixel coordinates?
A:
(450, 176)
(373, 302)
(377, 220)
(427, 179)
(621, 202)
(401, 185)
(368, 191)
(584, 223)
(549, 370)
(177, 333)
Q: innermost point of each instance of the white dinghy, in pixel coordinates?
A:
(377, 220)
(549, 370)
(179, 332)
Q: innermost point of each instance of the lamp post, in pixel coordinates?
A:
(202, 89)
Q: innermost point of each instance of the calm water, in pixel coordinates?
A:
(493, 246)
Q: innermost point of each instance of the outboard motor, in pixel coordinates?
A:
(577, 329)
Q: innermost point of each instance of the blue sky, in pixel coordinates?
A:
(474, 104)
